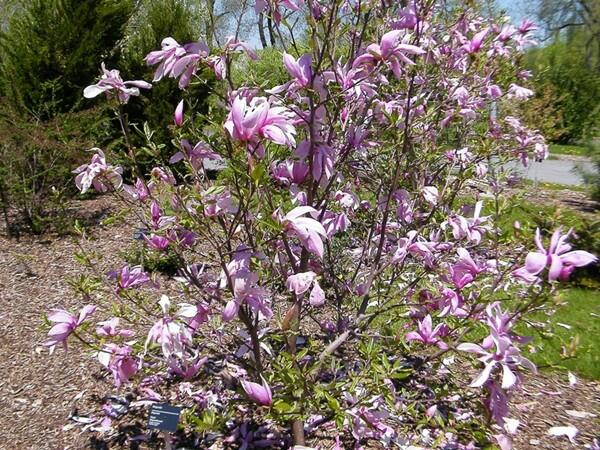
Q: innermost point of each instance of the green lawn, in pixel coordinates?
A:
(577, 150)
(576, 348)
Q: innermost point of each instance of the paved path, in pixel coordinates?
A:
(554, 171)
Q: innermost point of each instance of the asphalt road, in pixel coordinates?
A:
(560, 171)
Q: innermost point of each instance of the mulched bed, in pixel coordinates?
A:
(38, 392)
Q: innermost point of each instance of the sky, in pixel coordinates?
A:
(518, 9)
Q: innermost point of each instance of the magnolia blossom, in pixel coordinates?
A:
(474, 45)
(559, 258)
(260, 394)
(244, 284)
(505, 355)
(65, 323)
(130, 277)
(300, 69)
(431, 195)
(251, 121)
(119, 361)
(428, 335)
(98, 174)
(390, 52)
(195, 155)
(290, 172)
(465, 270)
(140, 190)
(171, 335)
(111, 83)
(167, 57)
(110, 328)
(471, 229)
(178, 114)
(308, 230)
(301, 282)
(518, 92)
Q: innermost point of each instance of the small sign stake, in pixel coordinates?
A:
(164, 417)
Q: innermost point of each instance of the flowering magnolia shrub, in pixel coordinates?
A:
(343, 279)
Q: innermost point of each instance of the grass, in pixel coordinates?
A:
(575, 150)
(570, 338)
(554, 186)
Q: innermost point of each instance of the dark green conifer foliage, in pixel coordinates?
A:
(52, 49)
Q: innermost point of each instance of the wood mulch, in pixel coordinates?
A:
(38, 392)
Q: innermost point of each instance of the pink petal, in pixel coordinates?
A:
(555, 268)
(483, 376)
(317, 296)
(578, 258)
(535, 262)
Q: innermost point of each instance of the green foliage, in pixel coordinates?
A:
(568, 333)
(575, 150)
(166, 262)
(36, 163)
(153, 21)
(267, 72)
(52, 48)
(561, 68)
(548, 218)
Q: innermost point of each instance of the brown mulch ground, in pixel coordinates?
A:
(38, 392)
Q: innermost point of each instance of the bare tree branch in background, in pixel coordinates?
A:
(559, 15)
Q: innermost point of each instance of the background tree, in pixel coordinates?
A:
(51, 48)
(581, 15)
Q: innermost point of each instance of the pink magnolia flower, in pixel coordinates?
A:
(260, 394)
(519, 92)
(308, 230)
(301, 282)
(505, 355)
(322, 159)
(186, 369)
(140, 190)
(431, 195)
(219, 204)
(474, 45)
(252, 121)
(559, 258)
(193, 315)
(300, 69)
(526, 26)
(465, 270)
(171, 335)
(500, 324)
(178, 115)
(244, 284)
(158, 221)
(246, 290)
(290, 172)
(195, 155)
(163, 175)
(186, 66)
(111, 81)
(170, 53)
(98, 174)
(390, 52)
(118, 360)
(64, 324)
(130, 277)
(427, 335)
(471, 229)
(110, 328)
(157, 242)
